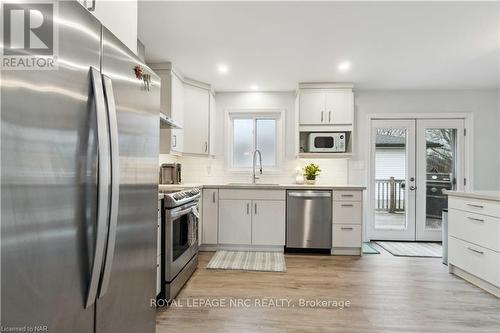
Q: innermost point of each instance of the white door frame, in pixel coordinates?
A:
(468, 118)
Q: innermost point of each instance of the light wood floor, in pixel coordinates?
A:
(388, 294)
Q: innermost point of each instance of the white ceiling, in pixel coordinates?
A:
(391, 45)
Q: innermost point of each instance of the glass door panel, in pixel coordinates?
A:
(392, 194)
(439, 166)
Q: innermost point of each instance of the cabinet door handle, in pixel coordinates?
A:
(248, 208)
(255, 208)
(476, 206)
(322, 116)
(329, 116)
(206, 146)
(346, 195)
(175, 141)
(213, 196)
(475, 219)
(347, 205)
(90, 8)
(346, 228)
(474, 250)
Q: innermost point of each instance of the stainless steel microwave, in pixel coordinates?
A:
(327, 142)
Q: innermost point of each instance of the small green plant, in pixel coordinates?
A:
(311, 171)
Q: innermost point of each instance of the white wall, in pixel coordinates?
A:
(120, 17)
(486, 133)
(213, 170)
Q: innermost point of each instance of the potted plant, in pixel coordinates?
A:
(311, 171)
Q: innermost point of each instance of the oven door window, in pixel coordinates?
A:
(323, 142)
(184, 231)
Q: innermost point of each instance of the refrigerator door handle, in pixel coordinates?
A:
(103, 175)
(115, 184)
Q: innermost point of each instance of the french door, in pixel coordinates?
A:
(412, 162)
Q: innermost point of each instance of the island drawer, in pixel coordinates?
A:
(347, 195)
(485, 207)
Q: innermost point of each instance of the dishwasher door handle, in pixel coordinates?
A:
(310, 194)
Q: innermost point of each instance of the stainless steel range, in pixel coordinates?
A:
(180, 255)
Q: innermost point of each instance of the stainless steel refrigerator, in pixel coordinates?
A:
(79, 184)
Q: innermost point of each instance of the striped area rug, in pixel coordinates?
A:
(413, 249)
(248, 261)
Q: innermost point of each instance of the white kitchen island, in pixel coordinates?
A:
(474, 238)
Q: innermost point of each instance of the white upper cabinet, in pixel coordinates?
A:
(120, 17)
(339, 107)
(196, 120)
(312, 107)
(334, 106)
(176, 111)
(212, 126)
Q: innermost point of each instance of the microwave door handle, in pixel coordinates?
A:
(103, 174)
(115, 185)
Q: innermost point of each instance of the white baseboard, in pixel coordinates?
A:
(346, 251)
(486, 286)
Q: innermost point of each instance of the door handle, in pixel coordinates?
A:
(255, 208)
(175, 141)
(115, 184)
(206, 146)
(248, 208)
(322, 116)
(103, 181)
(213, 196)
(329, 116)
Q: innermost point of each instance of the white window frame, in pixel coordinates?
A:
(255, 113)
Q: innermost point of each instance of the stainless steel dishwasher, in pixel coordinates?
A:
(309, 219)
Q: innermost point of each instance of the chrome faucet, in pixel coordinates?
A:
(253, 165)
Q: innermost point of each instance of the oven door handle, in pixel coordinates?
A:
(174, 215)
(195, 212)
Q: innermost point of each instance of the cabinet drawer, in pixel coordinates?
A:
(347, 195)
(237, 194)
(478, 229)
(474, 259)
(346, 235)
(485, 207)
(347, 212)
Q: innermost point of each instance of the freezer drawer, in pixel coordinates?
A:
(309, 219)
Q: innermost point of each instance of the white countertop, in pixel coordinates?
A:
(483, 195)
(178, 187)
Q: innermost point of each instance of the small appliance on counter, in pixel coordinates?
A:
(170, 173)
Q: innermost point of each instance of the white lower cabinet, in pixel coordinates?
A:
(235, 222)
(347, 222)
(246, 219)
(474, 241)
(210, 215)
(268, 222)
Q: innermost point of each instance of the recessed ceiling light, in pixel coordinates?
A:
(344, 66)
(254, 87)
(222, 68)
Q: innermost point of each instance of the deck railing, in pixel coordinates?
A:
(390, 195)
